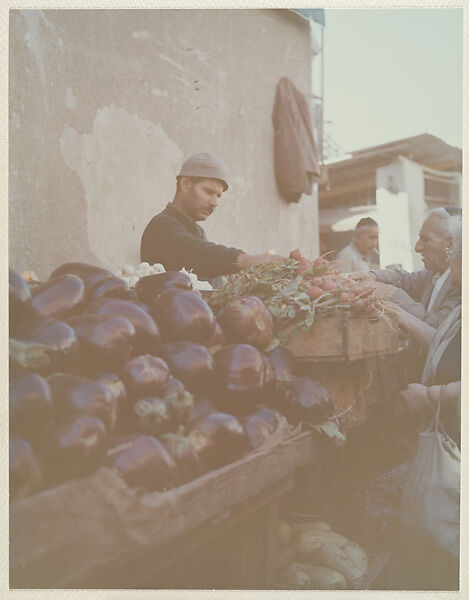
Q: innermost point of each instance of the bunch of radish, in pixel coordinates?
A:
(326, 286)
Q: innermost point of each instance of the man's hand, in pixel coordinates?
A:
(403, 318)
(412, 402)
(249, 260)
(362, 275)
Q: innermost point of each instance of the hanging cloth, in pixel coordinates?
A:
(295, 152)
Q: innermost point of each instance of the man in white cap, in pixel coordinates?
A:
(173, 237)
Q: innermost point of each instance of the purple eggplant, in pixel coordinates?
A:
(76, 396)
(219, 439)
(25, 475)
(19, 299)
(45, 345)
(183, 316)
(31, 408)
(60, 297)
(148, 288)
(191, 363)
(147, 334)
(106, 342)
(142, 461)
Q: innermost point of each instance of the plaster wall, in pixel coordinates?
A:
(105, 106)
(400, 202)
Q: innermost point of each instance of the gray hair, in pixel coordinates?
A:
(455, 232)
(444, 218)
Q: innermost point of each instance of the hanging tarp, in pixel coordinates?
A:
(296, 155)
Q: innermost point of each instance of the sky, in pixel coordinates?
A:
(393, 73)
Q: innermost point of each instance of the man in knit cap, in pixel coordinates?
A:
(175, 239)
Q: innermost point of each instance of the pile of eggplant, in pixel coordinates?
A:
(148, 382)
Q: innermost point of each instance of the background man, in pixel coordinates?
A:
(358, 255)
(174, 238)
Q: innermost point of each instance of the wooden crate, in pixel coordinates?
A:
(95, 532)
(345, 337)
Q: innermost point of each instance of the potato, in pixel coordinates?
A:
(335, 557)
(294, 577)
(324, 578)
(357, 555)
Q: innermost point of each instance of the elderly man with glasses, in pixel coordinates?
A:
(429, 294)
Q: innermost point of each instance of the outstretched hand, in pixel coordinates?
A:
(413, 401)
(362, 276)
(249, 260)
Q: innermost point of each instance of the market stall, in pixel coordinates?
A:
(172, 434)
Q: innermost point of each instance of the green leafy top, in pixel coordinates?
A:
(282, 290)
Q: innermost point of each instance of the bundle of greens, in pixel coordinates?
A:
(300, 291)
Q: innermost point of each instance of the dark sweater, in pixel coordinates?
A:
(175, 241)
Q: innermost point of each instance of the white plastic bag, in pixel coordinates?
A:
(430, 498)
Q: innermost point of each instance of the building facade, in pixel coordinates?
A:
(396, 184)
(106, 104)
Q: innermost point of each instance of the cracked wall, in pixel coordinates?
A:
(104, 107)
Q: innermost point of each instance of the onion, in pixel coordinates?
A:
(141, 460)
(218, 438)
(247, 320)
(25, 476)
(240, 373)
(147, 334)
(31, 408)
(302, 400)
(192, 363)
(183, 316)
(145, 375)
(76, 396)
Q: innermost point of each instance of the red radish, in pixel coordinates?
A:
(359, 305)
(320, 262)
(315, 292)
(346, 297)
(328, 285)
(368, 289)
(316, 280)
(303, 267)
(296, 254)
